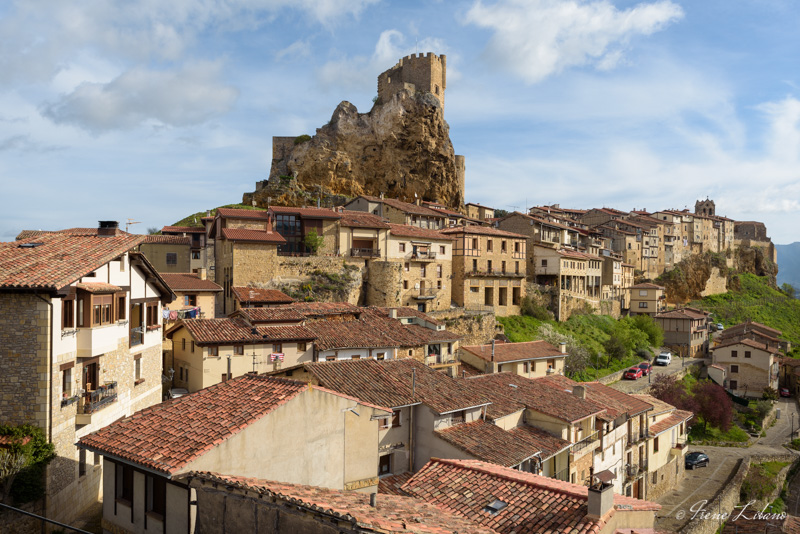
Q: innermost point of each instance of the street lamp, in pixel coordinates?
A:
(792, 432)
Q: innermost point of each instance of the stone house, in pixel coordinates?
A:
(531, 359)
(294, 224)
(167, 253)
(362, 235)
(399, 212)
(489, 266)
(612, 281)
(626, 244)
(508, 500)
(81, 346)
(192, 291)
(576, 276)
(750, 366)
(539, 232)
(600, 216)
(685, 331)
(755, 331)
(254, 297)
(647, 299)
(270, 424)
(477, 211)
(197, 237)
(666, 445)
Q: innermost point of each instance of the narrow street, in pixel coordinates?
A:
(638, 386)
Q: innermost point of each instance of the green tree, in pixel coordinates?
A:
(27, 484)
(789, 290)
(153, 230)
(648, 325)
(313, 241)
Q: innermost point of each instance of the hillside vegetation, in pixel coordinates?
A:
(194, 219)
(756, 300)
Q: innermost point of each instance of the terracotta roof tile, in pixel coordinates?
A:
(406, 230)
(167, 436)
(260, 296)
(681, 314)
(766, 347)
(237, 213)
(183, 230)
(237, 330)
(659, 406)
(323, 309)
(98, 287)
(482, 230)
(509, 389)
(361, 219)
(270, 315)
(388, 383)
(167, 240)
(255, 236)
(615, 402)
(647, 285)
(189, 282)
(390, 485)
(405, 207)
(676, 418)
(533, 503)
(55, 260)
(350, 334)
(751, 325)
(307, 213)
(512, 352)
(393, 514)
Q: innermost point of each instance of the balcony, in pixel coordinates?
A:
(635, 438)
(422, 255)
(94, 401)
(585, 445)
(365, 252)
(99, 339)
(425, 293)
(634, 471)
(494, 274)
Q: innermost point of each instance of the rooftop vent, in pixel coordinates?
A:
(107, 228)
(29, 245)
(495, 507)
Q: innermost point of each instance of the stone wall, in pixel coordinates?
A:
(665, 478)
(474, 328)
(384, 283)
(717, 283)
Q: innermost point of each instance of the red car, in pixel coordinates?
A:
(785, 392)
(633, 373)
(646, 368)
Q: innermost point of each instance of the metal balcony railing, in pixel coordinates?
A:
(100, 398)
(365, 252)
(586, 442)
(638, 437)
(424, 293)
(422, 255)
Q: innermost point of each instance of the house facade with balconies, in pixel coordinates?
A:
(81, 330)
(489, 269)
(647, 299)
(685, 331)
(751, 365)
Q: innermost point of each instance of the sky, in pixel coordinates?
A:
(150, 110)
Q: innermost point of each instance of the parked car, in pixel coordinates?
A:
(646, 368)
(720, 328)
(665, 358)
(633, 373)
(785, 392)
(696, 459)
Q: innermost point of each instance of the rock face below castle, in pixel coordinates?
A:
(400, 148)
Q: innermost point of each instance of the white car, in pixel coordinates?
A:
(665, 358)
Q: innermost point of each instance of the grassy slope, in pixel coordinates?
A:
(756, 301)
(194, 219)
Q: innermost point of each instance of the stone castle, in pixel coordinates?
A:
(422, 72)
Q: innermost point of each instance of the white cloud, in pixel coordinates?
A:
(537, 38)
(190, 96)
(785, 128)
(298, 49)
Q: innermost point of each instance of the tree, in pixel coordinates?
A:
(669, 389)
(313, 241)
(648, 325)
(153, 230)
(713, 405)
(11, 463)
(615, 348)
(789, 290)
(500, 213)
(35, 453)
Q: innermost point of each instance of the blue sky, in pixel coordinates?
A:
(153, 110)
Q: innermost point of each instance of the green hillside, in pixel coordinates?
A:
(756, 300)
(194, 219)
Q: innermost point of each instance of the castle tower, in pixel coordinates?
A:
(705, 207)
(422, 72)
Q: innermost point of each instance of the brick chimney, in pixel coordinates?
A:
(107, 228)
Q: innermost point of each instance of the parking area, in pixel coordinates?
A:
(637, 386)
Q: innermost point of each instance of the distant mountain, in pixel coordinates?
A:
(789, 264)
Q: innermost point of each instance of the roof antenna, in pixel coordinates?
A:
(413, 385)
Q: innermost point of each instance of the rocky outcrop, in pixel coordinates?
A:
(758, 261)
(400, 148)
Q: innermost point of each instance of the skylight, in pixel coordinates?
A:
(495, 506)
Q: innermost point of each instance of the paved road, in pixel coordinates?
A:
(637, 386)
(704, 483)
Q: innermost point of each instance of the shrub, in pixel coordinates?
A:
(770, 394)
(646, 324)
(301, 139)
(762, 408)
(530, 308)
(313, 241)
(27, 483)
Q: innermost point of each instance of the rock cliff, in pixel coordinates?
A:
(400, 148)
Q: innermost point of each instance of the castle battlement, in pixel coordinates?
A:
(426, 72)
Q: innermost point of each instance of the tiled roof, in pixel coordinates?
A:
(237, 330)
(167, 436)
(98, 287)
(390, 485)
(647, 285)
(270, 315)
(405, 230)
(676, 418)
(260, 296)
(547, 443)
(388, 383)
(490, 443)
(322, 309)
(534, 503)
(255, 236)
(615, 402)
(167, 240)
(405, 207)
(659, 406)
(189, 282)
(307, 213)
(482, 230)
(59, 259)
(538, 220)
(466, 370)
(751, 325)
(681, 313)
(512, 352)
(236, 213)
(535, 394)
(404, 312)
(350, 334)
(183, 230)
(361, 219)
(772, 349)
(393, 514)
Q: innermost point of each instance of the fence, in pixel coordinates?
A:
(43, 521)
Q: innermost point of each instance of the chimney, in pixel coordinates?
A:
(393, 313)
(202, 274)
(107, 228)
(373, 499)
(579, 391)
(600, 501)
(562, 347)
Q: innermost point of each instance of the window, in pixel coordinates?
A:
(488, 245)
(238, 350)
(643, 305)
(381, 356)
(734, 384)
(438, 271)
(474, 266)
(195, 254)
(488, 296)
(301, 346)
(330, 358)
(277, 347)
(101, 309)
(152, 314)
(193, 345)
(489, 265)
(502, 296)
(503, 246)
(68, 313)
(474, 289)
(172, 258)
(385, 464)
(137, 369)
(156, 490)
(655, 444)
(66, 383)
(423, 271)
(190, 300)
(121, 308)
(526, 367)
(642, 292)
(516, 267)
(124, 483)
(438, 284)
(213, 351)
(405, 284)
(551, 363)
(442, 249)
(544, 263)
(406, 267)
(402, 247)
(395, 418)
(384, 423)
(734, 368)
(734, 354)
(503, 267)
(747, 354)
(183, 344)
(474, 242)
